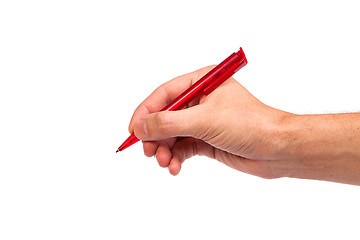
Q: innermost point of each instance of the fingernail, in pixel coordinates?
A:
(143, 128)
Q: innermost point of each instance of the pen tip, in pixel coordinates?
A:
(117, 151)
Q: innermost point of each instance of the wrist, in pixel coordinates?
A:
(322, 147)
(288, 145)
(302, 137)
(294, 146)
(280, 134)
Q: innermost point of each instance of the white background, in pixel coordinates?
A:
(72, 73)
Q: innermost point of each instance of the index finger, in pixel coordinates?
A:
(164, 94)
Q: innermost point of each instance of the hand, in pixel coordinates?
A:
(229, 125)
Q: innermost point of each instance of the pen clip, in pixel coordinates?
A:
(225, 70)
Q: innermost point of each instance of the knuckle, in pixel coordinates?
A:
(265, 171)
(260, 168)
(267, 176)
(161, 123)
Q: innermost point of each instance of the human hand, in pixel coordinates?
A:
(229, 125)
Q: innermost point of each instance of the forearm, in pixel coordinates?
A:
(324, 147)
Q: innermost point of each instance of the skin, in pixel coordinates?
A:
(238, 130)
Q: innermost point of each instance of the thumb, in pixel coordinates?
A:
(161, 125)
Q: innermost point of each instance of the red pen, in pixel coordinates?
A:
(203, 86)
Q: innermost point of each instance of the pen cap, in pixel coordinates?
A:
(225, 70)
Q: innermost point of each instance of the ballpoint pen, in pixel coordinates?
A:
(203, 86)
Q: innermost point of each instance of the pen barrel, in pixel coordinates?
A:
(210, 81)
(205, 85)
